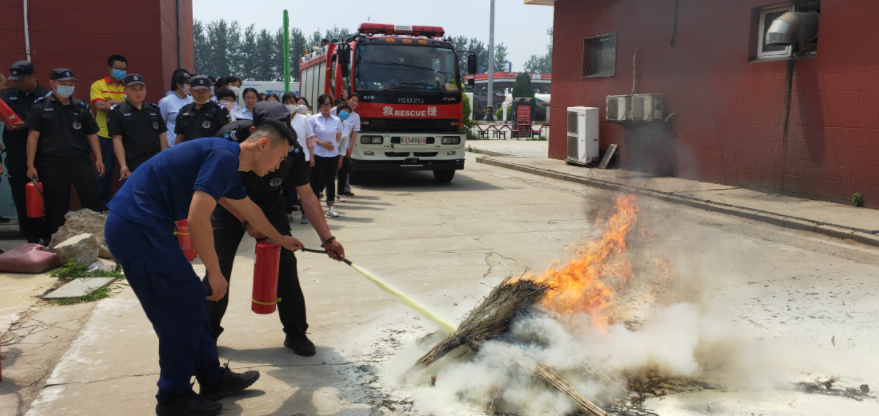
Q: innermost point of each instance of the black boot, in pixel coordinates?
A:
(229, 383)
(300, 344)
(189, 404)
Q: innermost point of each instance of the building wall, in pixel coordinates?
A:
(728, 126)
(80, 35)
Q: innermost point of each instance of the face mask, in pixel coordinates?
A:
(227, 104)
(186, 89)
(291, 108)
(343, 115)
(236, 90)
(302, 109)
(64, 90)
(203, 102)
(212, 91)
(119, 75)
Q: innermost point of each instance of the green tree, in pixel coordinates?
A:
(466, 109)
(539, 64)
(500, 58)
(298, 45)
(522, 88)
(202, 48)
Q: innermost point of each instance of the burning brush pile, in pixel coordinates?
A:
(541, 343)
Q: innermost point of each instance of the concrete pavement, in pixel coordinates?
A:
(447, 245)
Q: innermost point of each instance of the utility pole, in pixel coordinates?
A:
(490, 116)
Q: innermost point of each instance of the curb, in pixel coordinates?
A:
(862, 236)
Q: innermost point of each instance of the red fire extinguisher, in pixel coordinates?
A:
(34, 196)
(185, 240)
(7, 115)
(265, 277)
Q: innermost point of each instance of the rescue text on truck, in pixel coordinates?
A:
(411, 96)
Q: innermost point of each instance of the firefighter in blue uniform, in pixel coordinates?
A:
(203, 117)
(187, 181)
(21, 99)
(265, 191)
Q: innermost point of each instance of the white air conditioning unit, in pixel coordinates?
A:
(648, 107)
(582, 135)
(618, 107)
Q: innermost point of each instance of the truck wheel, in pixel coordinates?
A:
(443, 176)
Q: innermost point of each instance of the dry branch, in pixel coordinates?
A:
(603, 378)
(543, 372)
(489, 320)
(494, 400)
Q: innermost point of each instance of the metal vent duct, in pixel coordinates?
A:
(792, 27)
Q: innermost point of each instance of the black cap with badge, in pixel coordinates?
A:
(132, 79)
(20, 70)
(61, 74)
(200, 82)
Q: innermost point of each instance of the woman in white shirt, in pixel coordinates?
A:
(250, 97)
(305, 136)
(328, 133)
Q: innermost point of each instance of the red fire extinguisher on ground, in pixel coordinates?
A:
(34, 196)
(185, 240)
(7, 115)
(265, 277)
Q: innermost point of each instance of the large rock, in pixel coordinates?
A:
(83, 221)
(82, 249)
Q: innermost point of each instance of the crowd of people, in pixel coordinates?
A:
(197, 155)
(58, 134)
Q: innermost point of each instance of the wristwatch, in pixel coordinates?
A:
(329, 240)
(244, 225)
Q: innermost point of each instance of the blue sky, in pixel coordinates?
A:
(521, 28)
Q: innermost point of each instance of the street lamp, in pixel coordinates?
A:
(490, 116)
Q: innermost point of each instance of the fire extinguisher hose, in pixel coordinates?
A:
(444, 324)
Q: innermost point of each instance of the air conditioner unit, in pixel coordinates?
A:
(618, 108)
(648, 107)
(582, 135)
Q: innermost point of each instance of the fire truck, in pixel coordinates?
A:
(410, 92)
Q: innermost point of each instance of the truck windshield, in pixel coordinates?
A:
(405, 67)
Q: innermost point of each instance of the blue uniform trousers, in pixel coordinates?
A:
(174, 301)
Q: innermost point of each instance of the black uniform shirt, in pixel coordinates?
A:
(64, 129)
(293, 168)
(21, 102)
(140, 130)
(194, 123)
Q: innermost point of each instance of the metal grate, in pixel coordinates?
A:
(600, 56)
(573, 126)
(573, 154)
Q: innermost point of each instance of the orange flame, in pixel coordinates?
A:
(580, 286)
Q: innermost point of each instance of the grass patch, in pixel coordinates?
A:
(73, 270)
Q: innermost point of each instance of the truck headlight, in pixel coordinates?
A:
(451, 140)
(372, 140)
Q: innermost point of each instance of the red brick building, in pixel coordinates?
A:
(743, 114)
(80, 35)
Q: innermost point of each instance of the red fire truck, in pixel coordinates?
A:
(410, 96)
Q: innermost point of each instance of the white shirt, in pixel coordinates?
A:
(242, 114)
(326, 130)
(351, 124)
(303, 130)
(169, 106)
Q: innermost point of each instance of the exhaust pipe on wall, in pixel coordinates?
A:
(792, 27)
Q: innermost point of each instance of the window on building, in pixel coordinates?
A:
(600, 56)
(761, 20)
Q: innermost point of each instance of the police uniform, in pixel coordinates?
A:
(64, 147)
(196, 122)
(16, 148)
(140, 128)
(265, 191)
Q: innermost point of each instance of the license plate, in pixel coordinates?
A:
(413, 140)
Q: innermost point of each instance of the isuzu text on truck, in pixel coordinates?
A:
(411, 92)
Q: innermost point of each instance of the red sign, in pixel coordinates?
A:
(523, 118)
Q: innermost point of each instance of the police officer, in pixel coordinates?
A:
(202, 118)
(62, 131)
(136, 127)
(21, 99)
(229, 227)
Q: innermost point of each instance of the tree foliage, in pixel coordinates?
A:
(539, 64)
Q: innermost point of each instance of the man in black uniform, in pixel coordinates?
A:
(265, 191)
(136, 127)
(202, 118)
(62, 131)
(21, 99)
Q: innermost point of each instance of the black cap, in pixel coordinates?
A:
(20, 70)
(269, 110)
(179, 77)
(61, 74)
(200, 82)
(132, 79)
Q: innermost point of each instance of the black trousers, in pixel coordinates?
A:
(343, 175)
(290, 195)
(16, 166)
(323, 175)
(57, 176)
(227, 238)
